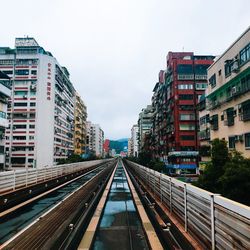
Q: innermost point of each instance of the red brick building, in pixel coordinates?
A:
(176, 122)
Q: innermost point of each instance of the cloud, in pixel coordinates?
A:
(115, 49)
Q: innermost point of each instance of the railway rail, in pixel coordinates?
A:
(56, 223)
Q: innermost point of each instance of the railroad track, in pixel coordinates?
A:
(51, 230)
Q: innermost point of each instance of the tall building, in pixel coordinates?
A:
(134, 140)
(95, 139)
(228, 95)
(80, 132)
(41, 108)
(5, 93)
(106, 147)
(130, 152)
(175, 122)
(144, 126)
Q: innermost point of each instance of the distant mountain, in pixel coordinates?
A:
(123, 140)
(119, 145)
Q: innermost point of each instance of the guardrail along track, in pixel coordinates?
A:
(213, 221)
(45, 232)
(15, 179)
(21, 193)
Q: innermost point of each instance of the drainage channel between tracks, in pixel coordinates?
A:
(120, 225)
(16, 221)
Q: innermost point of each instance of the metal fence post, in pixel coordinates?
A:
(14, 179)
(185, 207)
(212, 220)
(154, 183)
(160, 186)
(170, 194)
(26, 178)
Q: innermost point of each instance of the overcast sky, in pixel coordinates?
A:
(114, 49)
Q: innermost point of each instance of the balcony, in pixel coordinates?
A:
(185, 77)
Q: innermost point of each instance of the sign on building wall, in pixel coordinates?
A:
(49, 82)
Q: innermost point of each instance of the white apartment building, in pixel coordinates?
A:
(95, 138)
(5, 93)
(134, 140)
(41, 109)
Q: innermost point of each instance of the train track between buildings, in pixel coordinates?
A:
(51, 230)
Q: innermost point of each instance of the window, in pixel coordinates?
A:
(20, 104)
(32, 126)
(33, 72)
(20, 115)
(212, 81)
(21, 82)
(231, 142)
(187, 127)
(7, 72)
(187, 137)
(214, 122)
(245, 54)
(18, 160)
(32, 104)
(19, 126)
(186, 107)
(22, 72)
(185, 69)
(244, 111)
(247, 140)
(186, 97)
(30, 160)
(219, 72)
(187, 117)
(31, 137)
(185, 86)
(229, 116)
(201, 85)
(19, 138)
(20, 93)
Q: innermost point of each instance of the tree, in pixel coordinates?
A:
(227, 174)
(235, 182)
(209, 180)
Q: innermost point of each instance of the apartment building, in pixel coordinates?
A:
(228, 98)
(80, 132)
(5, 93)
(41, 108)
(95, 139)
(175, 121)
(134, 140)
(144, 126)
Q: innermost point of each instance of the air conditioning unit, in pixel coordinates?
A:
(241, 138)
(236, 137)
(233, 90)
(235, 66)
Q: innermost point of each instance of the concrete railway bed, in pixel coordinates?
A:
(55, 228)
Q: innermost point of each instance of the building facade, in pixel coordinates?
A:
(80, 132)
(41, 108)
(144, 126)
(95, 139)
(5, 93)
(176, 121)
(134, 140)
(228, 98)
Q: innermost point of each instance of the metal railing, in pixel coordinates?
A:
(12, 180)
(214, 221)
